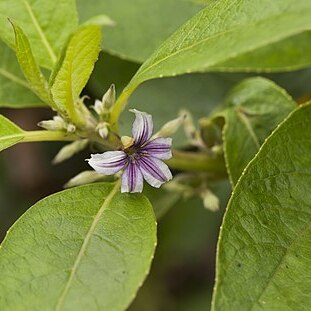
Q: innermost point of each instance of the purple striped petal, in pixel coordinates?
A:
(132, 179)
(142, 127)
(159, 148)
(108, 163)
(155, 171)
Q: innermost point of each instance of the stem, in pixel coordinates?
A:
(32, 136)
(197, 162)
(119, 106)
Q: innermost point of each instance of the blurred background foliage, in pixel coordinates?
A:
(182, 274)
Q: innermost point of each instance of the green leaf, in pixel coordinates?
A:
(30, 67)
(224, 32)
(47, 24)
(134, 36)
(15, 92)
(255, 107)
(78, 63)
(10, 134)
(87, 248)
(264, 247)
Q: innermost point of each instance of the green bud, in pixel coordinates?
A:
(83, 178)
(69, 150)
(210, 200)
(109, 97)
(171, 127)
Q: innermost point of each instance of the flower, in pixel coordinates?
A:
(140, 158)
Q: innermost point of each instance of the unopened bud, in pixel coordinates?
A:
(83, 178)
(103, 130)
(99, 107)
(69, 150)
(189, 127)
(71, 128)
(210, 200)
(57, 124)
(170, 128)
(109, 97)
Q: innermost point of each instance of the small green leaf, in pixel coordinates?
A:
(255, 107)
(47, 24)
(87, 248)
(15, 92)
(77, 65)
(10, 134)
(30, 67)
(263, 260)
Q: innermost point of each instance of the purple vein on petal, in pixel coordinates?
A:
(142, 127)
(108, 163)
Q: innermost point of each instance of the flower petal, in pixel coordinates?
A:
(155, 171)
(142, 127)
(109, 162)
(159, 148)
(132, 179)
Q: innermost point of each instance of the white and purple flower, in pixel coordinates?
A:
(141, 157)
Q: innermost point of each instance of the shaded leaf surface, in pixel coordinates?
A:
(15, 91)
(47, 24)
(87, 248)
(255, 107)
(264, 248)
(138, 32)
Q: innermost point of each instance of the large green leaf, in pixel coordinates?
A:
(141, 25)
(87, 248)
(15, 91)
(10, 134)
(77, 65)
(264, 248)
(255, 107)
(127, 40)
(224, 32)
(30, 67)
(47, 24)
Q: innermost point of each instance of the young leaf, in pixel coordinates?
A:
(87, 248)
(223, 32)
(255, 107)
(10, 134)
(15, 92)
(264, 248)
(47, 24)
(30, 67)
(78, 63)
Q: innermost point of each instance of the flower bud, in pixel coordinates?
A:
(210, 200)
(83, 178)
(57, 124)
(71, 128)
(109, 97)
(69, 150)
(103, 130)
(170, 128)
